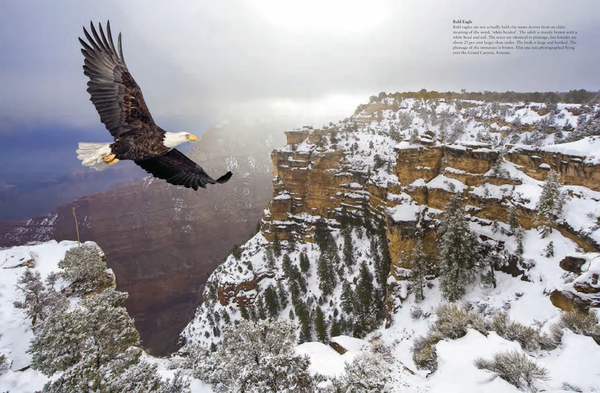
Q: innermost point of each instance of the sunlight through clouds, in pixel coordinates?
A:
(336, 17)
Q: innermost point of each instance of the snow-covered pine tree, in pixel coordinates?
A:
(368, 372)
(366, 311)
(84, 267)
(255, 357)
(419, 269)
(326, 275)
(303, 315)
(320, 325)
(304, 262)
(550, 206)
(549, 250)
(90, 344)
(513, 219)
(277, 245)
(40, 300)
(348, 246)
(243, 311)
(458, 250)
(271, 302)
(383, 263)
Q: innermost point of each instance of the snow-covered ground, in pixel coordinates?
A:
(15, 326)
(370, 142)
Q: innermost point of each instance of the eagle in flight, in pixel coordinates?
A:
(119, 101)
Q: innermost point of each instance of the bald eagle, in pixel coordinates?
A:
(119, 101)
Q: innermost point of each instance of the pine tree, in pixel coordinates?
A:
(261, 310)
(347, 299)
(282, 294)
(271, 302)
(326, 275)
(243, 311)
(513, 219)
(364, 303)
(291, 242)
(304, 262)
(40, 300)
(549, 250)
(336, 328)
(236, 251)
(458, 250)
(255, 357)
(287, 266)
(419, 269)
(386, 261)
(320, 325)
(293, 275)
(84, 267)
(271, 258)
(348, 246)
(323, 236)
(277, 245)
(550, 206)
(226, 317)
(302, 313)
(90, 344)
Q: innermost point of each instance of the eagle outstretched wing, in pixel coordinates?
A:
(177, 169)
(115, 94)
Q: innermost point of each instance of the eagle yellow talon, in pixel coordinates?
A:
(110, 159)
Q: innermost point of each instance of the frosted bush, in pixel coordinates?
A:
(578, 322)
(424, 353)
(454, 320)
(515, 368)
(530, 339)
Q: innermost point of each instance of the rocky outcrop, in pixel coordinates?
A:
(573, 170)
(584, 291)
(572, 264)
(315, 179)
(240, 291)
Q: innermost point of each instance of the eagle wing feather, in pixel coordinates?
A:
(115, 94)
(179, 170)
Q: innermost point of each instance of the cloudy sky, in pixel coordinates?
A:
(200, 60)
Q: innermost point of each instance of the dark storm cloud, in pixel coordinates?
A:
(199, 60)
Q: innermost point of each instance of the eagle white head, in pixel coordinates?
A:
(174, 139)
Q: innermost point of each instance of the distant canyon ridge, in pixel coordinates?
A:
(163, 241)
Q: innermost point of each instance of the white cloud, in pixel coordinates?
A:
(206, 58)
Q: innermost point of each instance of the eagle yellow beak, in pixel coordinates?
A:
(191, 137)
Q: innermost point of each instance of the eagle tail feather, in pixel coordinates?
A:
(92, 154)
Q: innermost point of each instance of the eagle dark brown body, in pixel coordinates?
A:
(122, 109)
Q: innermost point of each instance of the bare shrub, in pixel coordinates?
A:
(424, 353)
(530, 338)
(578, 322)
(571, 388)
(416, 313)
(454, 320)
(4, 364)
(515, 368)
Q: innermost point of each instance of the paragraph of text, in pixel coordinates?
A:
(471, 39)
